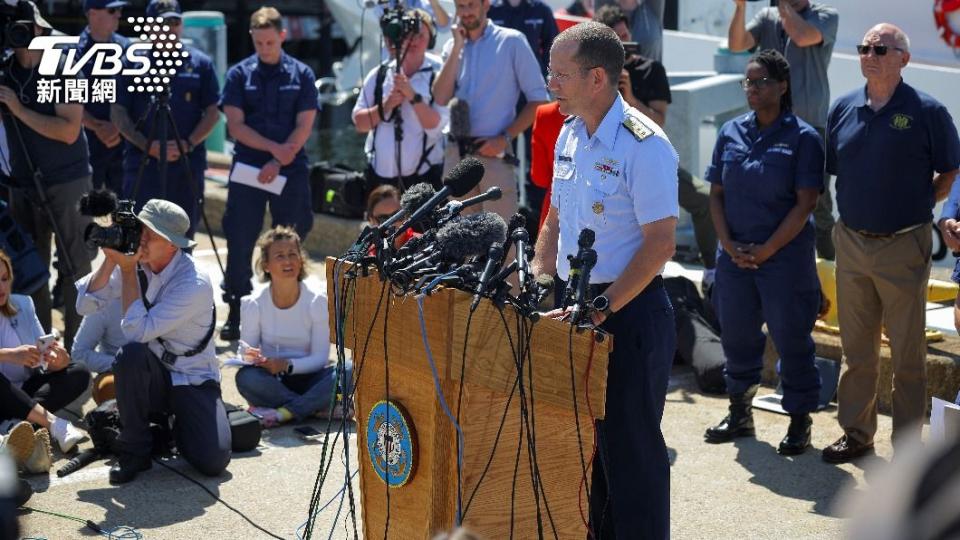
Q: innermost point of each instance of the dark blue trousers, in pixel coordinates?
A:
(784, 292)
(174, 188)
(243, 221)
(630, 485)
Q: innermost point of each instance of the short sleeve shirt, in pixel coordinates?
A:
(885, 160)
(614, 182)
(809, 84)
(100, 111)
(271, 97)
(648, 80)
(761, 171)
(492, 95)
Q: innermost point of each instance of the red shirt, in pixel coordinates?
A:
(546, 130)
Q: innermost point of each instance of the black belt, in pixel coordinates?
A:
(596, 289)
(905, 230)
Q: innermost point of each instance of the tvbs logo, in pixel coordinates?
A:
(149, 64)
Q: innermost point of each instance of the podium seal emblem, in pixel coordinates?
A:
(391, 443)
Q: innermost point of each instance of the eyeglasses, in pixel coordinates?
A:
(879, 50)
(759, 84)
(564, 77)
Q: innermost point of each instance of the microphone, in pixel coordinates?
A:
(464, 237)
(78, 462)
(584, 241)
(588, 258)
(453, 208)
(521, 239)
(494, 258)
(544, 286)
(459, 181)
(459, 119)
(412, 199)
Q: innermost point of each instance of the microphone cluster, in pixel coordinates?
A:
(477, 253)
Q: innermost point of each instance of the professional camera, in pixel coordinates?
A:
(115, 225)
(16, 24)
(398, 24)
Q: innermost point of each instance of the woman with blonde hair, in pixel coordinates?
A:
(285, 338)
(34, 380)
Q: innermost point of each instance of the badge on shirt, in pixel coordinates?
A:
(607, 166)
(598, 208)
(187, 97)
(901, 122)
(781, 148)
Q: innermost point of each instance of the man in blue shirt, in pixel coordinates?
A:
(103, 138)
(270, 100)
(488, 67)
(194, 93)
(616, 173)
(534, 19)
(895, 152)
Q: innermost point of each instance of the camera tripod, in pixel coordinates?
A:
(161, 126)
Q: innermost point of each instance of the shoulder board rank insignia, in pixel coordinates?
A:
(637, 128)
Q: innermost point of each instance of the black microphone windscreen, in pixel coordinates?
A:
(464, 176)
(545, 281)
(459, 118)
(416, 196)
(98, 202)
(586, 238)
(517, 221)
(471, 236)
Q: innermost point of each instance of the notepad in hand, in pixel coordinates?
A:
(247, 175)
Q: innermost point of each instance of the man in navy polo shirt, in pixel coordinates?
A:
(103, 138)
(194, 94)
(270, 100)
(895, 152)
(531, 17)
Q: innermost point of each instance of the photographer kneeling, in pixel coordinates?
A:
(169, 365)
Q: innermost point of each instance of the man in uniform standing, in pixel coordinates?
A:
(616, 173)
(270, 100)
(194, 93)
(895, 152)
(103, 138)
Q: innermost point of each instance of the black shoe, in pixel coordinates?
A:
(739, 423)
(231, 328)
(846, 449)
(127, 467)
(798, 436)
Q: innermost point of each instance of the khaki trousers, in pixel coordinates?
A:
(882, 283)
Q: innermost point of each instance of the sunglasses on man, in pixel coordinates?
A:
(879, 50)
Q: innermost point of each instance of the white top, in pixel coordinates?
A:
(614, 182)
(299, 333)
(99, 338)
(9, 339)
(384, 159)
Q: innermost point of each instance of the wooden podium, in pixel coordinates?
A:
(427, 503)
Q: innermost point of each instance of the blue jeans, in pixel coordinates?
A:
(302, 395)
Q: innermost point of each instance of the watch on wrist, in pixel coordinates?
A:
(602, 304)
(417, 98)
(289, 370)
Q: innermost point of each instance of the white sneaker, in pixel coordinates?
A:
(19, 443)
(66, 434)
(41, 459)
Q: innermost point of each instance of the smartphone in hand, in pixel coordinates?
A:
(44, 343)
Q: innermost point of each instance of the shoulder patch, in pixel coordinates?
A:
(637, 127)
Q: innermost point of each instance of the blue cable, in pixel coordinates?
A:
(303, 525)
(443, 401)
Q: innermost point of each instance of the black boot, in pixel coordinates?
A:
(798, 435)
(231, 328)
(739, 423)
(127, 467)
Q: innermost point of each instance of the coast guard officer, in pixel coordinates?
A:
(194, 93)
(270, 100)
(103, 138)
(766, 174)
(616, 173)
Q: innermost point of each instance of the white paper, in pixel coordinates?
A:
(247, 175)
(944, 420)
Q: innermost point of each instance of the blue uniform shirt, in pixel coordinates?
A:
(534, 19)
(192, 90)
(494, 70)
(614, 183)
(885, 160)
(101, 111)
(761, 171)
(270, 97)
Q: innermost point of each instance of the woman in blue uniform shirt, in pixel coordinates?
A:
(766, 175)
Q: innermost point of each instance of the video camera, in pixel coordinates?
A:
(16, 24)
(115, 225)
(398, 24)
